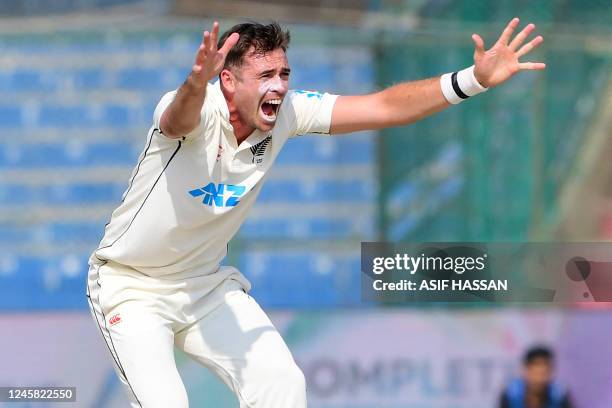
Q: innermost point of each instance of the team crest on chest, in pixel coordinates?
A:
(259, 150)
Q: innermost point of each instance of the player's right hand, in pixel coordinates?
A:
(209, 60)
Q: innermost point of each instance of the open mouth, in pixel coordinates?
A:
(269, 109)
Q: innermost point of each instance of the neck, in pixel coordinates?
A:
(241, 129)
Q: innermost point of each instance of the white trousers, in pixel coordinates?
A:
(142, 319)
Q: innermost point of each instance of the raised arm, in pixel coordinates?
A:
(183, 113)
(408, 102)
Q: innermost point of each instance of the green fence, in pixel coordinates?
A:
(492, 168)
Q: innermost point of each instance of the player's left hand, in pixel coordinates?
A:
(501, 62)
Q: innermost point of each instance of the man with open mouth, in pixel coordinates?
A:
(156, 280)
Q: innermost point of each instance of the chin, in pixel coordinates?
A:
(265, 126)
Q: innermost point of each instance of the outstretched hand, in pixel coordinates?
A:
(501, 62)
(209, 60)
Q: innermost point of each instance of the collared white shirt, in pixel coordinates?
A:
(187, 197)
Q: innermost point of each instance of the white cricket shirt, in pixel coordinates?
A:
(187, 197)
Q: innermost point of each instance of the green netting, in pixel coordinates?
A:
(579, 12)
(492, 168)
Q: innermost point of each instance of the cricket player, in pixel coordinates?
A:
(155, 282)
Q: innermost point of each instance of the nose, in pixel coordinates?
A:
(278, 85)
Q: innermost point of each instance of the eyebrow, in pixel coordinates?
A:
(270, 71)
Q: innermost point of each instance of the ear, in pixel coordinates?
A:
(228, 80)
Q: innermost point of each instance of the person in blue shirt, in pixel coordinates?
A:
(536, 388)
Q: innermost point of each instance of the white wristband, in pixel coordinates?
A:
(458, 86)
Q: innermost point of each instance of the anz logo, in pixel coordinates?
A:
(215, 195)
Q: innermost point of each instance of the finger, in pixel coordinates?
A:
(478, 41)
(214, 36)
(206, 40)
(507, 33)
(531, 65)
(201, 55)
(201, 50)
(521, 37)
(229, 43)
(527, 48)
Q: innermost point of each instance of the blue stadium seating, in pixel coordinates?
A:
(278, 278)
(59, 155)
(10, 117)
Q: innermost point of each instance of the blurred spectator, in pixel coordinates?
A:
(536, 388)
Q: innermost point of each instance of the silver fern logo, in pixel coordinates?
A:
(259, 149)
